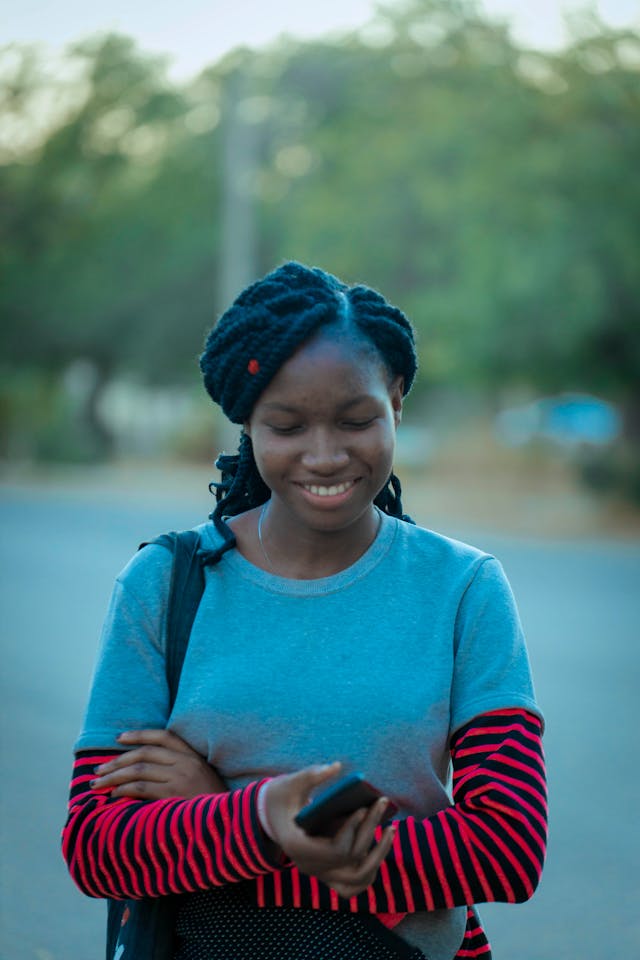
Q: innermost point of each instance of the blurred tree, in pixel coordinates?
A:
(111, 251)
(490, 190)
(600, 137)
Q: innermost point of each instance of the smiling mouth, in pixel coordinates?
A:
(334, 490)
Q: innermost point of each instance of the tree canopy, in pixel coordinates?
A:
(491, 191)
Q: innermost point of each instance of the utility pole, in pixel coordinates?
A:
(239, 166)
(238, 259)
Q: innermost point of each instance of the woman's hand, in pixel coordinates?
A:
(161, 765)
(347, 862)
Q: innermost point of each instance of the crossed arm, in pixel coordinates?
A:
(488, 846)
(190, 833)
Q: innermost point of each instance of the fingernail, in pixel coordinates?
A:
(98, 769)
(93, 784)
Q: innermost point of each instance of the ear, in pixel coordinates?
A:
(396, 391)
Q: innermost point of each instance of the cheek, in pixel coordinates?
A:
(380, 447)
(268, 453)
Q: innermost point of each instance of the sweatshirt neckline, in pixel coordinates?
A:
(235, 563)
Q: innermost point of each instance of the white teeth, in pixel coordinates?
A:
(328, 491)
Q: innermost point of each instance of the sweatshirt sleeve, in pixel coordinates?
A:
(129, 688)
(124, 848)
(488, 846)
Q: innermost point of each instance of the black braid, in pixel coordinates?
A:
(241, 487)
(389, 500)
(261, 330)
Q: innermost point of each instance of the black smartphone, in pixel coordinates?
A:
(326, 813)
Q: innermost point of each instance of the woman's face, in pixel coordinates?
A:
(323, 434)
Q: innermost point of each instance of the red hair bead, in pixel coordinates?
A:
(253, 366)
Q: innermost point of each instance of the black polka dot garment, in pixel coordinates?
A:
(224, 924)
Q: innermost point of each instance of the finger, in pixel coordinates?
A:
(385, 843)
(356, 834)
(365, 833)
(155, 737)
(350, 881)
(156, 755)
(151, 772)
(143, 790)
(294, 789)
(309, 778)
(366, 871)
(344, 838)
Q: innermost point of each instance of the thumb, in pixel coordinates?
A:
(311, 777)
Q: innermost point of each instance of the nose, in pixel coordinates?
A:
(325, 453)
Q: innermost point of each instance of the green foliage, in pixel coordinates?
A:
(109, 254)
(491, 191)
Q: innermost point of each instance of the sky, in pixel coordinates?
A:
(196, 33)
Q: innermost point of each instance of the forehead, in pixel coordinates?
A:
(333, 369)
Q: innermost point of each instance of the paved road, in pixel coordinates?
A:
(579, 602)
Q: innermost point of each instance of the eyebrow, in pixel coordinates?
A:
(284, 408)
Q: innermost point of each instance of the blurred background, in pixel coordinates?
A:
(478, 163)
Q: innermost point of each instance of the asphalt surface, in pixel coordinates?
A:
(579, 603)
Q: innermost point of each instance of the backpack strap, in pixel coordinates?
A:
(144, 929)
(185, 592)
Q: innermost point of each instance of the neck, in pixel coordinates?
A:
(305, 553)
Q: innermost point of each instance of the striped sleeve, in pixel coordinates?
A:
(475, 945)
(124, 848)
(488, 846)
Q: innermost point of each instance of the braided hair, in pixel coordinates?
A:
(259, 332)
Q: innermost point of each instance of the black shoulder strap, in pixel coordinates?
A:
(185, 592)
(148, 932)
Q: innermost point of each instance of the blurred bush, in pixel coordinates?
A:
(614, 472)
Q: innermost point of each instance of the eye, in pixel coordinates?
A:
(284, 431)
(358, 424)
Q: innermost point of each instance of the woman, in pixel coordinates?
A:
(331, 628)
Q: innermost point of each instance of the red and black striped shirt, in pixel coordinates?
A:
(488, 846)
